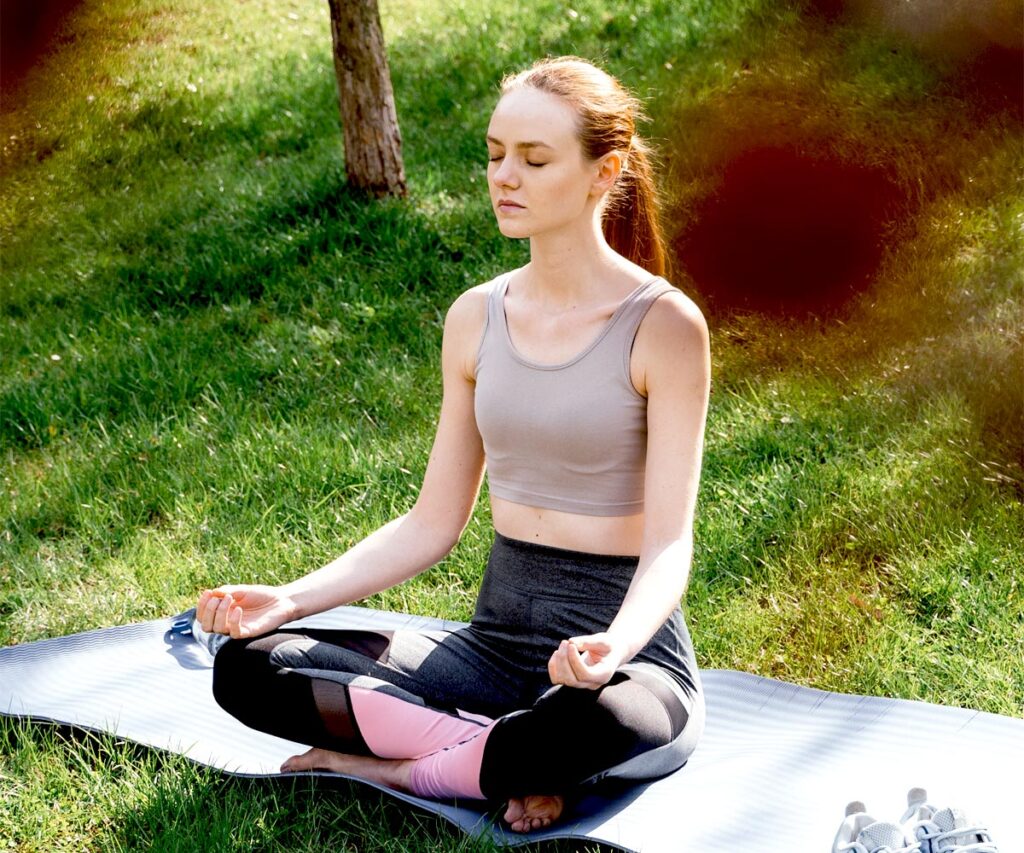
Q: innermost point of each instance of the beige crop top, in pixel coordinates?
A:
(570, 436)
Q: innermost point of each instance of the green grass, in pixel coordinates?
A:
(93, 792)
(218, 364)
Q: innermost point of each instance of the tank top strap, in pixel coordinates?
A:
(636, 307)
(617, 336)
(496, 303)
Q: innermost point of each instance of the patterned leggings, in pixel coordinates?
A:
(474, 707)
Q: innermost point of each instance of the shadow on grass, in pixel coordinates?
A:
(787, 197)
(185, 806)
(186, 257)
(823, 238)
(147, 345)
(977, 50)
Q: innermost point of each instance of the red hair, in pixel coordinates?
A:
(607, 116)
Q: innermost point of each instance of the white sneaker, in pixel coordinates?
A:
(861, 833)
(942, 830)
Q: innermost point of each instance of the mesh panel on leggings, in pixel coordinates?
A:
(571, 734)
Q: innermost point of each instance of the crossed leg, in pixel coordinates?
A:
(373, 727)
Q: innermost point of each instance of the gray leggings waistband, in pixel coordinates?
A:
(560, 573)
(534, 596)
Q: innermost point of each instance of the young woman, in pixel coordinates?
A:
(581, 382)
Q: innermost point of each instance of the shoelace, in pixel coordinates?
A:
(927, 831)
(858, 847)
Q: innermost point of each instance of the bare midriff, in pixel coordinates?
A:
(593, 534)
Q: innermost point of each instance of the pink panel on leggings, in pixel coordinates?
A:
(393, 728)
(453, 771)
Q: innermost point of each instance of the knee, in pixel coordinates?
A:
(630, 714)
(574, 735)
(666, 724)
(240, 675)
(566, 737)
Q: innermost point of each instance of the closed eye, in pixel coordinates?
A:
(496, 158)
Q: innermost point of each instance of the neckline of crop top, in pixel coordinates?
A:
(537, 365)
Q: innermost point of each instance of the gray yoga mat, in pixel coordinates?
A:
(773, 772)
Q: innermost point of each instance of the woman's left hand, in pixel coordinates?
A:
(586, 662)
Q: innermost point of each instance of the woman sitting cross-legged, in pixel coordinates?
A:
(580, 382)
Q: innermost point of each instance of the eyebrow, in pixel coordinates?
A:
(521, 145)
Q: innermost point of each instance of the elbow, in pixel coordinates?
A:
(446, 542)
(439, 535)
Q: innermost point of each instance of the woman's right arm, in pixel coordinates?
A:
(405, 546)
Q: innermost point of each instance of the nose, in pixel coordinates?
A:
(505, 173)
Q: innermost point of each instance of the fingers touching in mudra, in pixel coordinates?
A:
(586, 662)
(243, 611)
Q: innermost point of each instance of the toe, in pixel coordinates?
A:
(514, 812)
(306, 761)
(530, 813)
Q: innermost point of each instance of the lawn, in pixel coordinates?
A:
(218, 364)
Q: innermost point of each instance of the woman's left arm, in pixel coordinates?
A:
(673, 353)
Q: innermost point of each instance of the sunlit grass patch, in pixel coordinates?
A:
(78, 791)
(218, 364)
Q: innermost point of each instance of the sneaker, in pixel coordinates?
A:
(861, 833)
(918, 807)
(942, 830)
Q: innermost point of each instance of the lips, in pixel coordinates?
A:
(509, 204)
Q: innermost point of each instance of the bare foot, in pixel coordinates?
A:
(391, 772)
(534, 812)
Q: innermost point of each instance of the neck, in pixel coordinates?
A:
(571, 266)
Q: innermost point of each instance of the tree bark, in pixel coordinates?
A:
(373, 144)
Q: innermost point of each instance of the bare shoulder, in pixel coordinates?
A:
(674, 321)
(469, 306)
(673, 335)
(464, 325)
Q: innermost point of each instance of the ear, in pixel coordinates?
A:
(607, 171)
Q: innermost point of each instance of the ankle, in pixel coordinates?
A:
(400, 774)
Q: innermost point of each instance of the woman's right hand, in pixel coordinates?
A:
(244, 611)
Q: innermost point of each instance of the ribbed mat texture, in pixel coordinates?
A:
(772, 774)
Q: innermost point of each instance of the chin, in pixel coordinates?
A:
(509, 229)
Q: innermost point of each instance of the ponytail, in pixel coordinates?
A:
(630, 219)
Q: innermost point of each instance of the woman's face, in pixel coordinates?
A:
(537, 163)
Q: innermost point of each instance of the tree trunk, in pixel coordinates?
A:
(373, 144)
